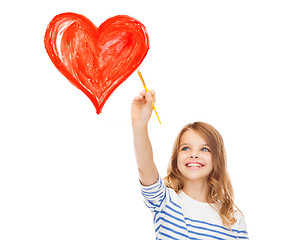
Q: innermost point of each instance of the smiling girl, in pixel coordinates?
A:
(196, 199)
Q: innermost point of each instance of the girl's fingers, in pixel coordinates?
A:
(143, 93)
(152, 91)
(153, 95)
(138, 98)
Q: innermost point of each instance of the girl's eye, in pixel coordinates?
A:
(205, 149)
(185, 149)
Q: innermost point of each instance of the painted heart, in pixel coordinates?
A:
(96, 60)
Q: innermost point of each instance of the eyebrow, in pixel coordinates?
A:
(203, 145)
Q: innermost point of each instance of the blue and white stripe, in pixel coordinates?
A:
(171, 223)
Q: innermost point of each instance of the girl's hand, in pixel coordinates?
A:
(142, 107)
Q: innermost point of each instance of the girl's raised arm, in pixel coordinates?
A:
(141, 113)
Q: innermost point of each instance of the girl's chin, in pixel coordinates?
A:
(195, 177)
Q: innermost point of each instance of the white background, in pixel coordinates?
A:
(68, 173)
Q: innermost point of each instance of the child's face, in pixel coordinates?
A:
(194, 157)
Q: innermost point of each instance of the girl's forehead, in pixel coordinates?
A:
(191, 136)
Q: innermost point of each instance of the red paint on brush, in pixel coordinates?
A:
(96, 60)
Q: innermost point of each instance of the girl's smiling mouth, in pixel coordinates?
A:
(194, 165)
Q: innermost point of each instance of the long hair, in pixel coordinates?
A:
(220, 191)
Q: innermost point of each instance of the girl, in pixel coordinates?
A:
(196, 199)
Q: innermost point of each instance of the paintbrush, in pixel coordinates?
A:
(146, 90)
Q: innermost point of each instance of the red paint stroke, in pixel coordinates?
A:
(96, 60)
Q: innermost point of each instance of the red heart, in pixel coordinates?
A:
(96, 60)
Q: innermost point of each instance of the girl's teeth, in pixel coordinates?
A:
(194, 165)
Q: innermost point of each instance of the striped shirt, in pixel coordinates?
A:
(177, 216)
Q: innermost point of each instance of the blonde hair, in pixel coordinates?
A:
(220, 191)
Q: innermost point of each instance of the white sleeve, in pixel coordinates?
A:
(242, 229)
(154, 195)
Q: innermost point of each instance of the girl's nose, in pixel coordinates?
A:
(194, 156)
